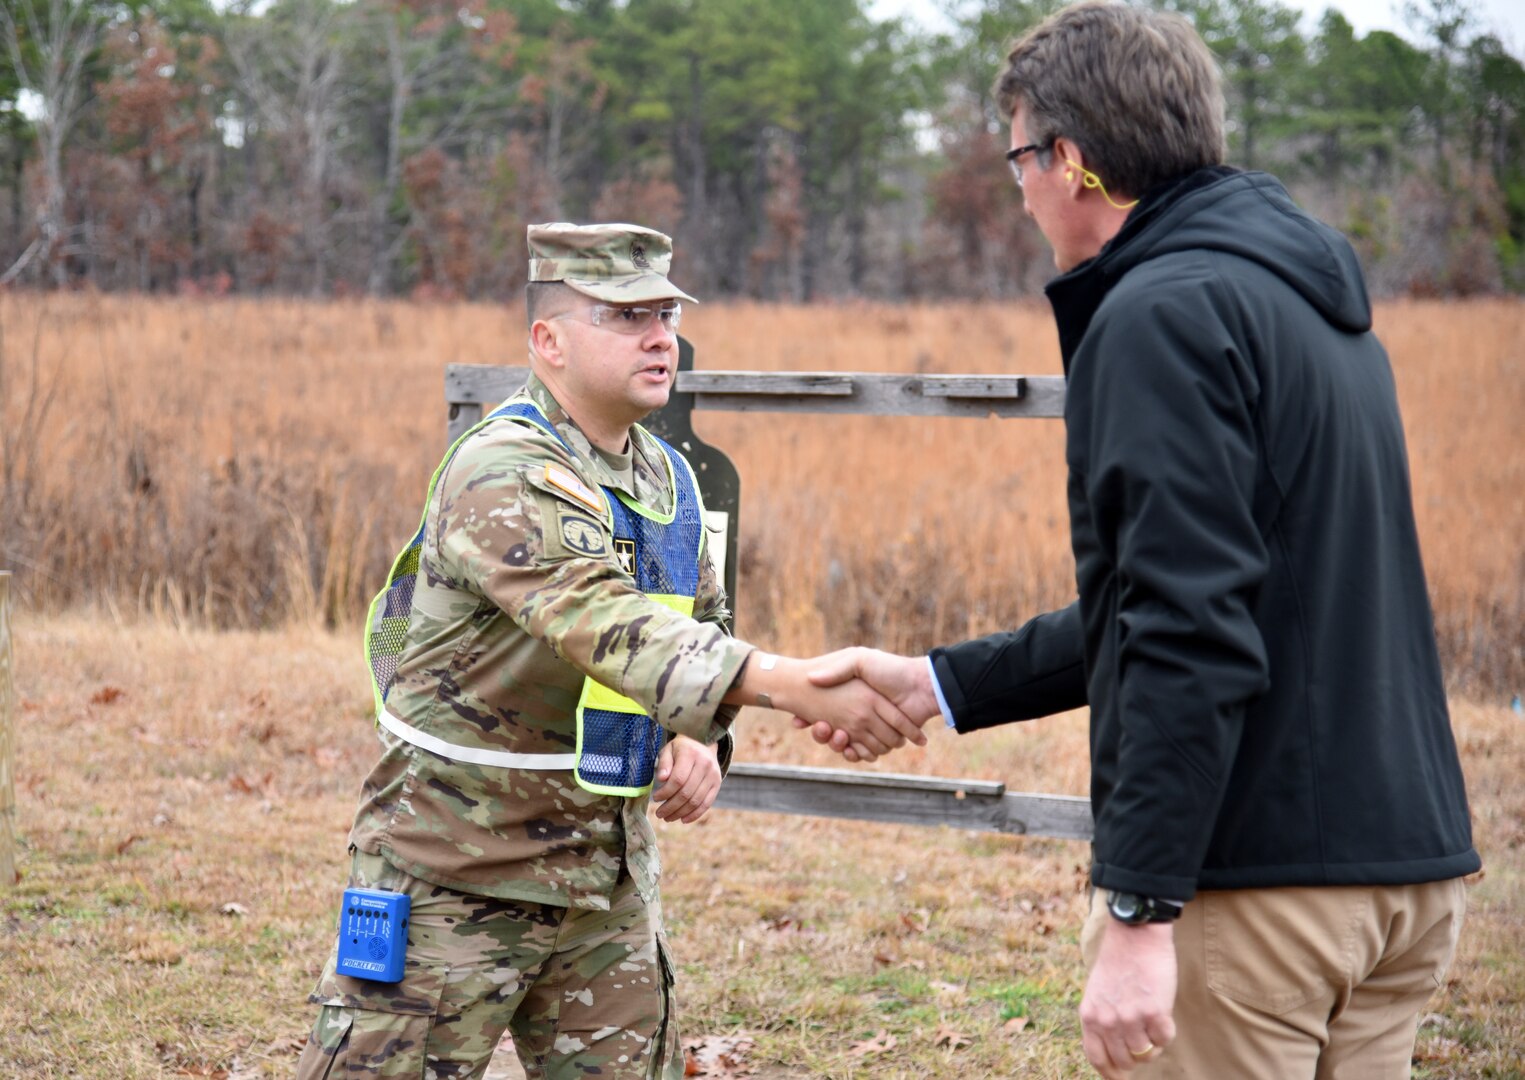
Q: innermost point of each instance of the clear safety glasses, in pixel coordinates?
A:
(629, 318)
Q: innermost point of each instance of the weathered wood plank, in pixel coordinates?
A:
(7, 740)
(767, 383)
(482, 384)
(894, 395)
(1059, 817)
(460, 419)
(959, 789)
(470, 386)
(979, 805)
(974, 386)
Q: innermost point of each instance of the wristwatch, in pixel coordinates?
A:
(1133, 909)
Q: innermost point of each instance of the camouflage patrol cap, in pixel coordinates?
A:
(621, 264)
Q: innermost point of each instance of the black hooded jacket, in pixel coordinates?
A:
(1253, 633)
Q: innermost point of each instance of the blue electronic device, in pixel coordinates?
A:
(373, 934)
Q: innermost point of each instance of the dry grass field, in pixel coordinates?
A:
(249, 464)
(184, 797)
(198, 497)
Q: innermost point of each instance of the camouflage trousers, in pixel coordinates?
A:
(586, 994)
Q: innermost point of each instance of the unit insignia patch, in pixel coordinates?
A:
(581, 535)
(624, 551)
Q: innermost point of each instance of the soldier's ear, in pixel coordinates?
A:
(545, 343)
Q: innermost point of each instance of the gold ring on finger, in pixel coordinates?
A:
(1145, 1052)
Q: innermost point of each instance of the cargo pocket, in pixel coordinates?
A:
(667, 1051)
(352, 1042)
(365, 1028)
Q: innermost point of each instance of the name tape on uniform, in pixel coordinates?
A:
(561, 477)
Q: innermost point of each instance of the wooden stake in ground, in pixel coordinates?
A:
(7, 742)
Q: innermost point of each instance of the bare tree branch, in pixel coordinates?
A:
(48, 50)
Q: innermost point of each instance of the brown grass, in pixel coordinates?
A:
(255, 463)
(166, 774)
(252, 465)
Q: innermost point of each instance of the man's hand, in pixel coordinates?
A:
(870, 723)
(866, 722)
(689, 773)
(1125, 1014)
(903, 680)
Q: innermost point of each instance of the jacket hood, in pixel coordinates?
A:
(1248, 214)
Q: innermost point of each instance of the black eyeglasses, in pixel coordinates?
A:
(1012, 157)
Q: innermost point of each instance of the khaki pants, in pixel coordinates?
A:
(1302, 983)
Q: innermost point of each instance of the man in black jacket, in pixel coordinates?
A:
(1281, 822)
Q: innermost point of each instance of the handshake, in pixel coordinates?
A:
(861, 702)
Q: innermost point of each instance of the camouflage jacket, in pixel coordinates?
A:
(519, 595)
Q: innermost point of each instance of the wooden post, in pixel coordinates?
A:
(7, 741)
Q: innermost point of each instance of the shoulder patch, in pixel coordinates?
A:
(624, 552)
(581, 535)
(559, 476)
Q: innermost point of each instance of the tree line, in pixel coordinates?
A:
(796, 149)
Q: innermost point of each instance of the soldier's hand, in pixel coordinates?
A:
(873, 724)
(904, 680)
(865, 721)
(688, 773)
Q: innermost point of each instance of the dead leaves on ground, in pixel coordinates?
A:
(154, 950)
(286, 1045)
(881, 1043)
(179, 1061)
(952, 1038)
(717, 1055)
(784, 924)
(724, 1056)
(913, 923)
(250, 785)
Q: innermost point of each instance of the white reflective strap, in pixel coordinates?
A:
(474, 755)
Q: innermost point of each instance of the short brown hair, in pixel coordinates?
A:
(543, 299)
(1137, 90)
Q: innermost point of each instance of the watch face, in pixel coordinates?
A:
(1125, 906)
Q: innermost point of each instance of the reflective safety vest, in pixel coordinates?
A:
(617, 741)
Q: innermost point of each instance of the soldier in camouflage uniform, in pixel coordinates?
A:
(535, 905)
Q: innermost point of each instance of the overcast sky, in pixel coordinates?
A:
(1506, 18)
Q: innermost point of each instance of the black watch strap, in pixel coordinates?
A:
(1133, 909)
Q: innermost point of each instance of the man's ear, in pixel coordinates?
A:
(1066, 156)
(545, 342)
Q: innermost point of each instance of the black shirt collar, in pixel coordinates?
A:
(1076, 294)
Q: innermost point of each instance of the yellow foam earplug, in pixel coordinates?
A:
(1094, 181)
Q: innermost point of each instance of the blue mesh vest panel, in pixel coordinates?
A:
(388, 622)
(619, 750)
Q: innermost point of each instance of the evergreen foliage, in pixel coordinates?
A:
(797, 149)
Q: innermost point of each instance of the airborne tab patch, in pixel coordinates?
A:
(563, 478)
